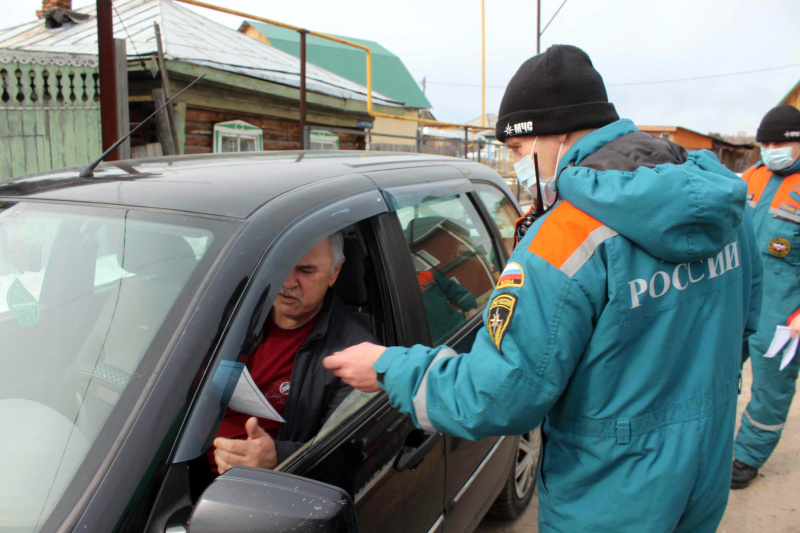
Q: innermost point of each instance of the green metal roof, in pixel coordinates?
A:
(389, 75)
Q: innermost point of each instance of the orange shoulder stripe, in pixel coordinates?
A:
(424, 278)
(562, 233)
(789, 184)
(757, 179)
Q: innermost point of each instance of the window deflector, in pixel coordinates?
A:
(417, 193)
(211, 400)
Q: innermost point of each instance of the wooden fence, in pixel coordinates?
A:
(49, 111)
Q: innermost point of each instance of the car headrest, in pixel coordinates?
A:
(418, 229)
(149, 252)
(351, 286)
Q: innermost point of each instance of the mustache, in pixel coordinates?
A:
(291, 293)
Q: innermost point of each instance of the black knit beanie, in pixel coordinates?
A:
(556, 92)
(781, 124)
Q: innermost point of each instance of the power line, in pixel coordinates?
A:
(704, 77)
(463, 84)
(551, 18)
(636, 82)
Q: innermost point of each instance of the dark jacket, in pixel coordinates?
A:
(315, 392)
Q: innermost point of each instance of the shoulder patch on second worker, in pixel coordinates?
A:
(501, 311)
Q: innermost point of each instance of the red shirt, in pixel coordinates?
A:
(271, 369)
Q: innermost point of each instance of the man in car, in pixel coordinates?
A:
(307, 323)
(617, 323)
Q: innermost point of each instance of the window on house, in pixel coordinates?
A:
(237, 136)
(665, 136)
(324, 140)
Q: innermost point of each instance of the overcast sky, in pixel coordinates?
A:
(638, 46)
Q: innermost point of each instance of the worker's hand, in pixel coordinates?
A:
(258, 450)
(795, 325)
(354, 366)
(472, 312)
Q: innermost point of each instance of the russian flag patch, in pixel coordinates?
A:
(512, 276)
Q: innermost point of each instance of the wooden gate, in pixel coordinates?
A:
(49, 111)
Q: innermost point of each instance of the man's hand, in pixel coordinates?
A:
(258, 450)
(795, 325)
(354, 366)
(472, 312)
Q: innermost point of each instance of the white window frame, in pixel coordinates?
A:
(328, 140)
(240, 130)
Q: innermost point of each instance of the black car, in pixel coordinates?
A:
(131, 299)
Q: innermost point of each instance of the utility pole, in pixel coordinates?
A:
(538, 24)
(483, 65)
(303, 144)
(108, 79)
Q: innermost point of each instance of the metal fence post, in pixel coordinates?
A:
(419, 139)
(306, 141)
(466, 141)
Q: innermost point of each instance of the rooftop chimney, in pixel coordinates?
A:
(56, 12)
(48, 5)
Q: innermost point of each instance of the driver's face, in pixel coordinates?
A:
(303, 292)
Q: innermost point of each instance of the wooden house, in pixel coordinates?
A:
(736, 157)
(390, 76)
(792, 97)
(249, 98)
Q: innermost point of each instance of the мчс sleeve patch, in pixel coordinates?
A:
(501, 310)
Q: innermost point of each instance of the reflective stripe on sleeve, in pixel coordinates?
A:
(579, 257)
(421, 398)
(765, 427)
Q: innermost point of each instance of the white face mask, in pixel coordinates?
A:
(526, 174)
(777, 158)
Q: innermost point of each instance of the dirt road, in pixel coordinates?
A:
(770, 505)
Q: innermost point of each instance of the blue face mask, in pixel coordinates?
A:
(777, 158)
(526, 174)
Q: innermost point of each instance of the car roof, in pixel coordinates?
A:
(228, 185)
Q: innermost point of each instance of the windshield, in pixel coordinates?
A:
(83, 293)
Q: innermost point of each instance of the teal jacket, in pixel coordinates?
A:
(776, 220)
(618, 324)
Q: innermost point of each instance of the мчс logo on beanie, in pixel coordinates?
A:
(519, 128)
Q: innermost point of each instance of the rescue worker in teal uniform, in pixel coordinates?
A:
(617, 323)
(447, 303)
(774, 191)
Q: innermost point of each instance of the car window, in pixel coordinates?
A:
(84, 291)
(453, 254)
(502, 211)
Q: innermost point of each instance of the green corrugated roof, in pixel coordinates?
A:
(389, 75)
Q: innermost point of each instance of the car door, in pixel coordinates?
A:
(456, 252)
(394, 471)
(478, 469)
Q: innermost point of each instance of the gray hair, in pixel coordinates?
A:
(337, 250)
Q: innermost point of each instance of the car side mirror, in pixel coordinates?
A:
(265, 501)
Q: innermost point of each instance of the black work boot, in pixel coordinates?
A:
(742, 474)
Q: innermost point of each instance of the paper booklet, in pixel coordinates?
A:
(247, 398)
(781, 342)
